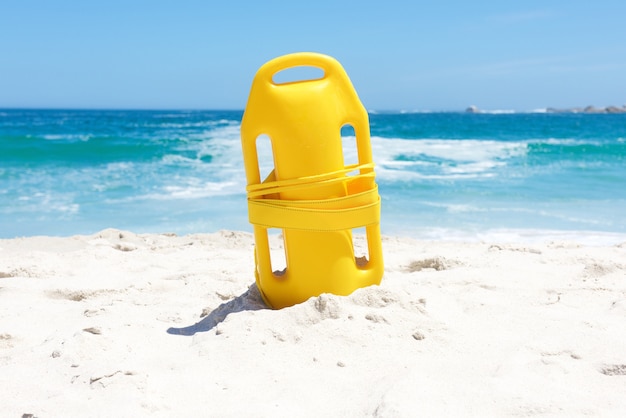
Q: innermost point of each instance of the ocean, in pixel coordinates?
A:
(441, 176)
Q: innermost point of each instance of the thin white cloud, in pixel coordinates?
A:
(528, 66)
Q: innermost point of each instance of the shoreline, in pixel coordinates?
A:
(444, 235)
(159, 325)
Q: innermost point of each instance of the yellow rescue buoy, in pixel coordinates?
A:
(312, 195)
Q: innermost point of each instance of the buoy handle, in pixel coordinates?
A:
(330, 66)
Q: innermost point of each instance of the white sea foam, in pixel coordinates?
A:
(474, 167)
(383, 173)
(197, 124)
(192, 190)
(564, 141)
(124, 165)
(67, 137)
(174, 159)
(462, 150)
(455, 207)
(44, 203)
(443, 158)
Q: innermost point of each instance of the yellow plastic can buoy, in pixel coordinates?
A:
(311, 194)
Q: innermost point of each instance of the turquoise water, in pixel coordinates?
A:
(441, 175)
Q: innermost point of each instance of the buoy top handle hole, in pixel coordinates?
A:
(298, 74)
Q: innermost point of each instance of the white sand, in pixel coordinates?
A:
(90, 326)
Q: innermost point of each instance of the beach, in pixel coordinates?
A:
(123, 324)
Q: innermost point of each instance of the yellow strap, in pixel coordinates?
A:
(290, 216)
(277, 186)
(333, 214)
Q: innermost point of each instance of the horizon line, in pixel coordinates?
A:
(470, 109)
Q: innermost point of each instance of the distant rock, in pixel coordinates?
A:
(589, 109)
(609, 109)
(615, 109)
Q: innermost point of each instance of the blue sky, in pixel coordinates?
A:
(400, 55)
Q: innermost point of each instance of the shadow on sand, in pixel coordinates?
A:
(251, 300)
